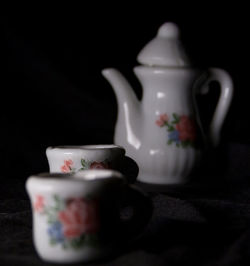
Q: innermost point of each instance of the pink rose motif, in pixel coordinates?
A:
(39, 203)
(101, 165)
(66, 168)
(162, 119)
(186, 128)
(80, 216)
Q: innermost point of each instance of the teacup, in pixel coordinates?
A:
(77, 217)
(68, 159)
(72, 159)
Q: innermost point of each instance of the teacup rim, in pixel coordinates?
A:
(90, 147)
(81, 176)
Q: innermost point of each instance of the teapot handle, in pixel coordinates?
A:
(226, 93)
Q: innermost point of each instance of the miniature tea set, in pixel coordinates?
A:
(76, 207)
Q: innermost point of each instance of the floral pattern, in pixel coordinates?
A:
(181, 129)
(72, 223)
(68, 165)
(101, 165)
(39, 203)
(163, 118)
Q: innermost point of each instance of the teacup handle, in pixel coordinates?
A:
(226, 93)
(142, 211)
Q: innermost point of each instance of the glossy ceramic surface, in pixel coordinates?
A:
(71, 159)
(162, 133)
(73, 214)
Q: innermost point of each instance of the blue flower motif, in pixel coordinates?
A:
(55, 232)
(174, 136)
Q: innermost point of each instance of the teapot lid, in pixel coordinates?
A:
(165, 49)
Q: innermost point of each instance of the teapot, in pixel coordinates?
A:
(163, 132)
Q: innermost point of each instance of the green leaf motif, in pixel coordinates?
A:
(72, 170)
(84, 164)
(65, 245)
(51, 216)
(176, 117)
(59, 204)
(53, 242)
(57, 199)
(76, 243)
(170, 128)
(52, 219)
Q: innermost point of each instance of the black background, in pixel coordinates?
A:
(52, 89)
(52, 93)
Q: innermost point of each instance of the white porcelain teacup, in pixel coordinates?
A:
(77, 217)
(71, 159)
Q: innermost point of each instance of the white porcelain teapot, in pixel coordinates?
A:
(162, 133)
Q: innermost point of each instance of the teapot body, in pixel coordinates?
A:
(167, 129)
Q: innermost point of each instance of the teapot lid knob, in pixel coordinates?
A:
(168, 30)
(165, 49)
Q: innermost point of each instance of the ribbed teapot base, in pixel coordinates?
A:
(161, 179)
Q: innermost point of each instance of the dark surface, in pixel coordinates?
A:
(52, 93)
(201, 223)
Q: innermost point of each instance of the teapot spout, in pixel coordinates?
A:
(122, 88)
(128, 120)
